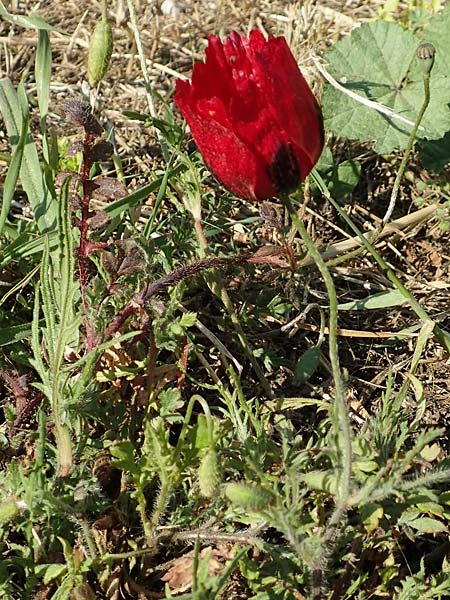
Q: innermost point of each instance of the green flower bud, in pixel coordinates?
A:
(10, 508)
(100, 50)
(248, 496)
(208, 474)
(425, 53)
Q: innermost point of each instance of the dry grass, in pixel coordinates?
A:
(418, 252)
(172, 43)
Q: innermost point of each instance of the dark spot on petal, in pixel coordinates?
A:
(284, 171)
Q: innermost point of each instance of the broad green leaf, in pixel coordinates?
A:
(50, 572)
(376, 301)
(43, 204)
(15, 333)
(307, 364)
(430, 452)
(436, 33)
(123, 453)
(378, 62)
(341, 178)
(427, 525)
(324, 481)
(436, 154)
(371, 514)
(12, 175)
(42, 71)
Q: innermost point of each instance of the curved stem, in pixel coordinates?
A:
(367, 242)
(411, 140)
(341, 412)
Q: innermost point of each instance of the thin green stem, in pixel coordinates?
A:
(141, 54)
(143, 64)
(442, 335)
(341, 411)
(409, 146)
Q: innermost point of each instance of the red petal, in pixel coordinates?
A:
(288, 94)
(252, 115)
(225, 154)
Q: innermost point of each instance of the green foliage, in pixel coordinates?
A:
(341, 178)
(377, 62)
(417, 11)
(160, 435)
(14, 109)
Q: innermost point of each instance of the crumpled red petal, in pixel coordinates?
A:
(252, 115)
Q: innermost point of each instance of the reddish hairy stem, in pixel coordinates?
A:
(158, 286)
(84, 245)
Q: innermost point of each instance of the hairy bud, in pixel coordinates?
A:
(208, 474)
(100, 50)
(425, 53)
(248, 496)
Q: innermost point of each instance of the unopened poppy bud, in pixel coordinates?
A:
(425, 53)
(10, 508)
(208, 474)
(253, 116)
(248, 496)
(100, 50)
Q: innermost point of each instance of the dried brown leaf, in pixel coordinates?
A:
(130, 258)
(101, 151)
(107, 187)
(271, 215)
(179, 576)
(98, 219)
(75, 179)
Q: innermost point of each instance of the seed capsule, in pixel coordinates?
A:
(208, 474)
(425, 53)
(248, 496)
(100, 50)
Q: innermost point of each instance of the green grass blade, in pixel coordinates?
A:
(15, 333)
(13, 172)
(27, 21)
(42, 74)
(24, 246)
(42, 71)
(42, 202)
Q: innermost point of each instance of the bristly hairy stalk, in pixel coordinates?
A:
(341, 418)
(158, 286)
(412, 135)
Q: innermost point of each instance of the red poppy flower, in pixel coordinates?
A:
(252, 115)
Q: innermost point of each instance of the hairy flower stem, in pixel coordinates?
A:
(157, 287)
(341, 419)
(409, 146)
(217, 287)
